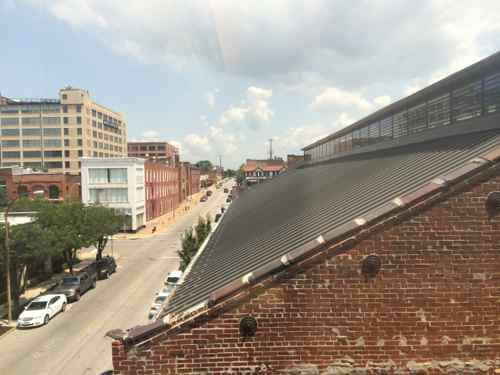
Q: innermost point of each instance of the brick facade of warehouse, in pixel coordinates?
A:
(433, 308)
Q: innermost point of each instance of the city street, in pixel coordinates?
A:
(74, 342)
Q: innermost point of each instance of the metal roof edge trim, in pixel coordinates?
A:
(344, 234)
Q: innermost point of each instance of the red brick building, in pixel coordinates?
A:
(189, 180)
(163, 151)
(162, 189)
(257, 171)
(381, 259)
(20, 182)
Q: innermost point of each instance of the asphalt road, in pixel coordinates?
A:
(73, 342)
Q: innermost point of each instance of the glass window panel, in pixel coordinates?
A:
(32, 154)
(438, 111)
(52, 132)
(108, 195)
(51, 120)
(32, 143)
(32, 132)
(492, 93)
(417, 118)
(52, 143)
(10, 144)
(30, 120)
(467, 102)
(10, 132)
(400, 125)
(98, 175)
(11, 154)
(10, 121)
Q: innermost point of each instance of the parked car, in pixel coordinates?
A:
(228, 200)
(204, 198)
(39, 311)
(226, 190)
(217, 217)
(157, 304)
(105, 267)
(173, 278)
(209, 193)
(74, 286)
(167, 289)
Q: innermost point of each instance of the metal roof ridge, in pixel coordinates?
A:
(345, 236)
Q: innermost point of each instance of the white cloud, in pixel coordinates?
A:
(382, 101)
(151, 135)
(297, 137)
(210, 97)
(335, 97)
(254, 110)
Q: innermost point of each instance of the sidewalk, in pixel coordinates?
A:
(163, 222)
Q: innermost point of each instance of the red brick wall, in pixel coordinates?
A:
(162, 186)
(434, 308)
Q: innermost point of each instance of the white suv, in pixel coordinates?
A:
(39, 311)
(173, 278)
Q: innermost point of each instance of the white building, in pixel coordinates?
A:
(116, 183)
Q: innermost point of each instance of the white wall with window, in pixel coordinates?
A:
(117, 183)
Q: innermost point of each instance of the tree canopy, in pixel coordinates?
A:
(205, 165)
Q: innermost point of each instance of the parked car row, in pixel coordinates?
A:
(43, 308)
(170, 283)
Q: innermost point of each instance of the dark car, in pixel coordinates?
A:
(228, 200)
(204, 198)
(226, 190)
(105, 267)
(217, 217)
(73, 286)
(209, 192)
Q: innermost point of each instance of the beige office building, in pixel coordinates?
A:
(54, 134)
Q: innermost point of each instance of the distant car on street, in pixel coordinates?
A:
(204, 198)
(157, 304)
(209, 193)
(173, 278)
(228, 200)
(39, 311)
(105, 267)
(217, 217)
(74, 286)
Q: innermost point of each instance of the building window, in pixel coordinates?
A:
(66, 142)
(52, 154)
(32, 132)
(11, 154)
(66, 131)
(54, 192)
(108, 175)
(64, 96)
(112, 195)
(80, 142)
(31, 143)
(65, 120)
(79, 120)
(9, 109)
(10, 121)
(66, 164)
(66, 153)
(51, 121)
(32, 154)
(78, 108)
(99, 115)
(52, 143)
(80, 153)
(93, 113)
(95, 154)
(79, 131)
(30, 120)
(94, 123)
(10, 132)
(52, 132)
(22, 191)
(53, 164)
(65, 108)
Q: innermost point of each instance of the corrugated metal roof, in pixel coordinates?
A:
(271, 219)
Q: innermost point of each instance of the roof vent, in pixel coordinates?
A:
(370, 266)
(492, 203)
(248, 326)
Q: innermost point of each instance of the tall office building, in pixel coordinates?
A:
(53, 134)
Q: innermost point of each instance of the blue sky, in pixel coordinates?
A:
(222, 77)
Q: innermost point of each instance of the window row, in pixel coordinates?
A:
(475, 99)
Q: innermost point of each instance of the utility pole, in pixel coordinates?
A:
(270, 149)
(7, 258)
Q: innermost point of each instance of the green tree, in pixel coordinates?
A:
(69, 227)
(29, 248)
(205, 165)
(103, 222)
(189, 248)
(240, 175)
(229, 173)
(4, 199)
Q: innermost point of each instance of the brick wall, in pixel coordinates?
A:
(434, 308)
(162, 184)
